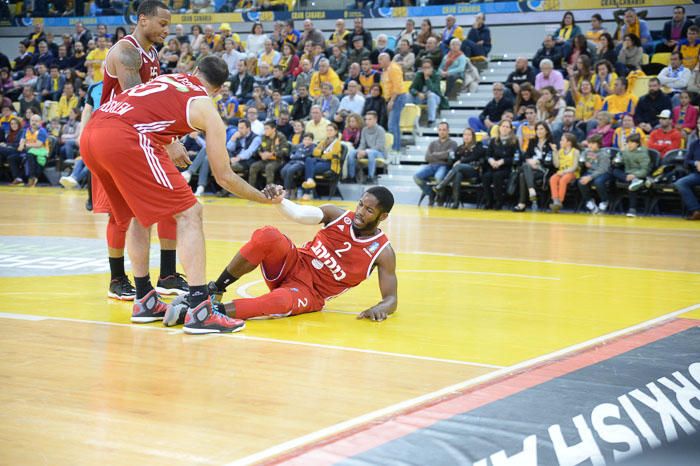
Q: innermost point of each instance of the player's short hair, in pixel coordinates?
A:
(150, 8)
(214, 69)
(383, 196)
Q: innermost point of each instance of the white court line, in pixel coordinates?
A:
(277, 450)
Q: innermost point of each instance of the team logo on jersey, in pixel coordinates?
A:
(318, 265)
(347, 220)
(373, 247)
(323, 257)
(341, 228)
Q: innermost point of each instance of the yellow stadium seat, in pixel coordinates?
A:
(645, 59)
(480, 135)
(661, 58)
(640, 86)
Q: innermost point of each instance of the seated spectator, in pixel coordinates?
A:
(596, 31)
(675, 76)
(376, 103)
(478, 41)
(269, 55)
(354, 101)
(604, 78)
(605, 50)
(548, 76)
(438, 158)
(499, 162)
(297, 134)
(595, 172)
(284, 126)
(169, 56)
(24, 59)
(527, 96)
(621, 101)
(604, 128)
(301, 108)
(186, 62)
(28, 100)
(368, 76)
(277, 106)
(281, 83)
(625, 130)
(409, 33)
(694, 83)
(630, 56)
(339, 37)
(526, 129)
(492, 113)
(523, 73)
(382, 47)
(469, 159)
(256, 126)
(29, 79)
(634, 25)
(579, 72)
(567, 125)
(452, 68)
(532, 172)
(665, 138)
(289, 62)
(7, 114)
(242, 83)
(273, 150)
(63, 60)
(69, 135)
(33, 150)
(317, 124)
(567, 30)
(294, 169)
(7, 84)
(67, 102)
(260, 102)
(566, 163)
(44, 56)
(636, 167)
(550, 107)
(431, 52)
(324, 75)
(685, 115)
(579, 48)
(264, 78)
(587, 104)
(406, 60)
(9, 146)
(372, 145)
(674, 30)
(425, 89)
(651, 105)
(358, 51)
(426, 32)
(292, 36)
(327, 101)
(42, 87)
(353, 131)
(303, 79)
(451, 31)
(242, 148)
(339, 62)
(77, 176)
(690, 47)
(548, 51)
(326, 157)
(688, 183)
(79, 61)
(360, 31)
(507, 116)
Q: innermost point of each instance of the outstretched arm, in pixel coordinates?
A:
(126, 63)
(388, 285)
(304, 214)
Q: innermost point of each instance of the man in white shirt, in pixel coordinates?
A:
(675, 75)
(353, 102)
(231, 56)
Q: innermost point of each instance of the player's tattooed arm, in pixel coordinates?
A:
(388, 286)
(128, 66)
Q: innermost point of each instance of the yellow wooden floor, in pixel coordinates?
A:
(479, 293)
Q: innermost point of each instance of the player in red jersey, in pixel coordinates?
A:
(131, 61)
(124, 147)
(341, 256)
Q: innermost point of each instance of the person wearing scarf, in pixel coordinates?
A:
(452, 67)
(451, 31)
(675, 75)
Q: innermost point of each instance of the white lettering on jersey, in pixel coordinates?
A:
(329, 261)
(118, 108)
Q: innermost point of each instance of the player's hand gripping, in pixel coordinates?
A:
(376, 315)
(274, 192)
(178, 154)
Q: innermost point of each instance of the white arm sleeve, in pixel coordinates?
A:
(304, 214)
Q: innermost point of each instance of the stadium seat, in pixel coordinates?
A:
(410, 118)
(330, 179)
(661, 58)
(640, 86)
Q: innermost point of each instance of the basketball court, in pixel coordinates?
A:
(512, 331)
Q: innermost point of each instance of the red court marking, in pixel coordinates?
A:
(381, 431)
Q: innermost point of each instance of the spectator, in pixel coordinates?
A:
(68, 43)
(327, 101)
(567, 125)
(303, 78)
(28, 100)
(55, 85)
(368, 76)
(354, 72)
(527, 96)
(9, 144)
(492, 113)
(69, 135)
(284, 126)
(451, 31)
(292, 36)
(297, 133)
(431, 52)
(312, 35)
(276, 108)
(42, 86)
(499, 162)
(550, 107)
(260, 101)
(406, 59)
(382, 47)
(79, 60)
(242, 83)
(665, 138)
(81, 34)
(353, 102)
(44, 56)
(604, 128)
(694, 83)
(273, 149)
(596, 172)
(587, 103)
(426, 32)
(625, 130)
(397, 97)
(296, 165)
(24, 59)
(469, 158)
(358, 51)
(675, 75)
(507, 116)
(290, 61)
(324, 75)
(277, 35)
(352, 132)
(688, 183)
(317, 124)
(231, 56)
(179, 34)
(62, 61)
(169, 56)
(604, 79)
(197, 36)
(597, 30)
(523, 73)
(579, 48)
(338, 62)
(281, 83)
(438, 157)
(685, 115)
(634, 25)
(425, 89)
(527, 129)
(630, 56)
(566, 162)
(256, 126)
(651, 105)
(409, 34)
(242, 147)
(452, 68)
(72, 77)
(567, 30)
(376, 102)
(579, 72)
(674, 31)
(605, 49)
(264, 77)
(478, 41)
(269, 55)
(326, 157)
(372, 145)
(33, 149)
(532, 172)
(621, 101)
(636, 163)
(339, 37)
(301, 108)
(690, 47)
(548, 51)
(359, 31)
(548, 76)
(7, 114)
(67, 102)
(35, 37)
(95, 60)
(256, 39)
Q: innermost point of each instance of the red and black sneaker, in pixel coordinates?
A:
(203, 319)
(148, 309)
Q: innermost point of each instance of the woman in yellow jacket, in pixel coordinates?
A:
(566, 162)
(327, 155)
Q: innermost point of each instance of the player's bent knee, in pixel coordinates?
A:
(193, 214)
(266, 235)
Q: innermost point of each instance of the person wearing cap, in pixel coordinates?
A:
(651, 105)
(360, 31)
(688, 183)
(665, 138)
(358, 51)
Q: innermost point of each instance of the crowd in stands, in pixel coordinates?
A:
(304, 108)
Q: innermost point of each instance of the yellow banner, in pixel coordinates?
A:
(207, 18)
(596, 4)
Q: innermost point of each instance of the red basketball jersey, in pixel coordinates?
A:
(150, 68)
(158, 110)
(339, 259)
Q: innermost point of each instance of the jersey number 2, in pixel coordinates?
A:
(159, 84)
(339, 252)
